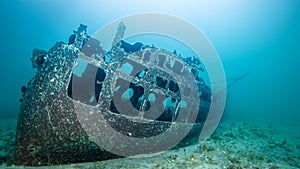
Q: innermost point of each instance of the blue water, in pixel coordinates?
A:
(259, 37)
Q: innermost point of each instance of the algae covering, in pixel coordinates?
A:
(55, 128)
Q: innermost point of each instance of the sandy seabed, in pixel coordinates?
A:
(232, 146)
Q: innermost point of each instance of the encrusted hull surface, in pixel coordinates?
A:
(53, 125)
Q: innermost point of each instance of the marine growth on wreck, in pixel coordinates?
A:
(139, 90)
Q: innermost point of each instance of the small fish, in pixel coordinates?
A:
(131, 48)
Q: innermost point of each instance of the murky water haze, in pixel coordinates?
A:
(261, 38)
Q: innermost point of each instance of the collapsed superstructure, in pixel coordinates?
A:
(139, 90)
